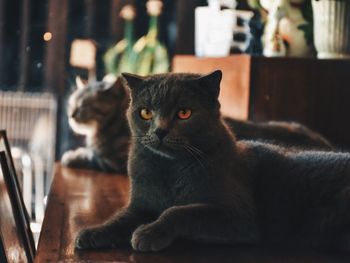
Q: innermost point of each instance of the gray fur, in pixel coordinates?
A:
(106, 146)
(206, 186)
(98, 112)
(283, 133)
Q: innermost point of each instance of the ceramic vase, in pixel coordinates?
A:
(332, 28)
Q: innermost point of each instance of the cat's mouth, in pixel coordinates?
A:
(161, 150)
(160, 146)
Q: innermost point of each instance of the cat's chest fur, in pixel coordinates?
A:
(159, 183)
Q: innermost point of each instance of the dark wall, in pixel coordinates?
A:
(22, 26)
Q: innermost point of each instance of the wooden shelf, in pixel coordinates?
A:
(314, 92)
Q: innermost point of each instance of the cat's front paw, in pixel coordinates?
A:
(79, 158)
(84, 240)
(97, 238)
(152, 237)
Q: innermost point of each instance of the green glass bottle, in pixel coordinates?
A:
(121, 57)
(152, 54)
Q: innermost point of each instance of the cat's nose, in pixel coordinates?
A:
(161, 133)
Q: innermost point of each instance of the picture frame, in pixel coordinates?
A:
(14, 188)
(2, 252)
(12, 232)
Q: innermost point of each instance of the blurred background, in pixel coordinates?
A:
(278, 63)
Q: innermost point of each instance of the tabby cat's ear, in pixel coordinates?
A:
(211, 82)
(80, 83)
(115, 87)
(132, 81)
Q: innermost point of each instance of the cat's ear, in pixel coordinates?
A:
(80, 83)
(132, 81)
(212, 82)
(115, 87)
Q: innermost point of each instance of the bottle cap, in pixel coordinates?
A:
(128, 12)
(154, 7)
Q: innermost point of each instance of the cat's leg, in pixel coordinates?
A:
(114, 232)
(201, 222)
(85, 158)
(118, 166)
(79, 158)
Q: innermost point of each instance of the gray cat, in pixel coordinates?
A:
(283, 133)
(97, 110)
(107, 138)
(191, 179)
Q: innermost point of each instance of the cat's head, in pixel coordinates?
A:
(171, 112)
(93, 104)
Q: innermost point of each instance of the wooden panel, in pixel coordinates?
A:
(55, 58)
(80, 198)
(116, 22)
(234, 94)
(24, 45)
(314, 92)
(56, 49)
(90, 18)
(2, 40)
(21, 43)
(276, 83)
(185, 26)
(10, 42)
(38, 17)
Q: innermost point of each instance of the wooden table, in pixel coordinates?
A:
(81, 198)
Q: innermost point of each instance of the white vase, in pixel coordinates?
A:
(332, 28)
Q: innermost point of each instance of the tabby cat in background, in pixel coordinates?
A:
(97, 110)
(190, 178)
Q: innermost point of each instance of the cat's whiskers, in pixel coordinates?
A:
(182, 142)
(197, 154)
(197, 150)
(143, 139)
(137, 138)
(194, 155)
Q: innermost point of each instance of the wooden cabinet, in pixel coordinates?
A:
(234, 94)
(314, 92)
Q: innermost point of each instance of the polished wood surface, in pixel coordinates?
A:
(80, 198)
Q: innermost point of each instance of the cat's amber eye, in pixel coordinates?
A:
(184, 114)
(146, 114)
